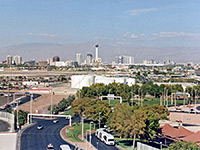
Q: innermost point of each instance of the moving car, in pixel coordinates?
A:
(39, 127)
(50, 147)
(55, 121)
(64, 147)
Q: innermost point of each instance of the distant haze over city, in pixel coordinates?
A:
(41, 51)
(145, 29)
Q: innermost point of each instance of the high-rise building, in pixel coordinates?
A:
(56, 58)
(89, 59)
(17, 60)
(97, 49)
(9, 60)
(125, 60)
(79, 58)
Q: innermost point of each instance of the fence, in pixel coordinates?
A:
(141, 146)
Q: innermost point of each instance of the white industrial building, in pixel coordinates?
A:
(79, 81)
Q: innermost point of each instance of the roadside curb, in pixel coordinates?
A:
(19, 133)
(70, 141)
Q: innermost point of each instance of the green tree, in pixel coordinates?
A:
(80, 106)
(93, 111)
(183, 145)
(128, 122)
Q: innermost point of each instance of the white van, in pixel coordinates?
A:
(98, 131)
(64, 147)
(108, 139)
(105, 137)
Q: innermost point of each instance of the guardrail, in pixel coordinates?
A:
(8, 118)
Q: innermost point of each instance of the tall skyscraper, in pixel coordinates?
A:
(97, 49)
(79, 58)
(89, 59)
(9, 60)
(56, 58)
(126, 60)
(17, 60)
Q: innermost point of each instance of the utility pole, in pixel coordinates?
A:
(99, 120)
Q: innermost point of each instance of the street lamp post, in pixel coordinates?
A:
(90, 134)
(51, 103)
(99, 120)
(31, 103)
(195, 101)
(166, 98)
(82, 120)
(132, 97)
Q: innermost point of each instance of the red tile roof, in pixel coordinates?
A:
(181, 133)
(168, 130)
(193, 138)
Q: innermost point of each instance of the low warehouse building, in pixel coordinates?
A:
(79, 81)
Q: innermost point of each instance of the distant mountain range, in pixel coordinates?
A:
(41, 51)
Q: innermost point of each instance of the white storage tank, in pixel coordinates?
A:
(79, 81)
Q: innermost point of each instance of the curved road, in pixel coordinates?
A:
(4, 126)
(33, 139)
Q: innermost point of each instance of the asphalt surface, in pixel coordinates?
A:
(34, 139)
(4, 99)
(4, 126)
(100, 145)
(24, 100)
(198, 108)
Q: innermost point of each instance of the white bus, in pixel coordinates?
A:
(105, 137)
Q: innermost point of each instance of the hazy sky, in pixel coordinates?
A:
(153, 23)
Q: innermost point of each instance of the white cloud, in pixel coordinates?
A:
(160, 35)
(46, 35)
(135, 12)
(134, 36)
(175, 35)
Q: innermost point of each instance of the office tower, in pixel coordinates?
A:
(89, 59)
(79, 58)
(17, 60)
(56, 58)
(9, 60)
(126, 60)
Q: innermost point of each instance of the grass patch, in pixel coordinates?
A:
(76, 130)
(113, 102)
(68, 112)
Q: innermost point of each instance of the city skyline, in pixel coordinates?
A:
(146, 29)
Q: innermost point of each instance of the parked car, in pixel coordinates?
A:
(64, 147)
(192, 111)
(50, 147)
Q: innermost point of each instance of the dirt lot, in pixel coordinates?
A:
(41, 104)
(188, 118)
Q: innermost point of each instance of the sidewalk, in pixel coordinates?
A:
(81, 145)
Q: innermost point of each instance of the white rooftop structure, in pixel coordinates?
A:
(79, 81)
(8, 141)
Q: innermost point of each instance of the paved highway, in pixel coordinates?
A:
(25, 99)
(100, 145)
(4, 126)
(33, 139)
(4, 99)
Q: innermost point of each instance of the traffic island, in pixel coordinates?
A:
(73, 136)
